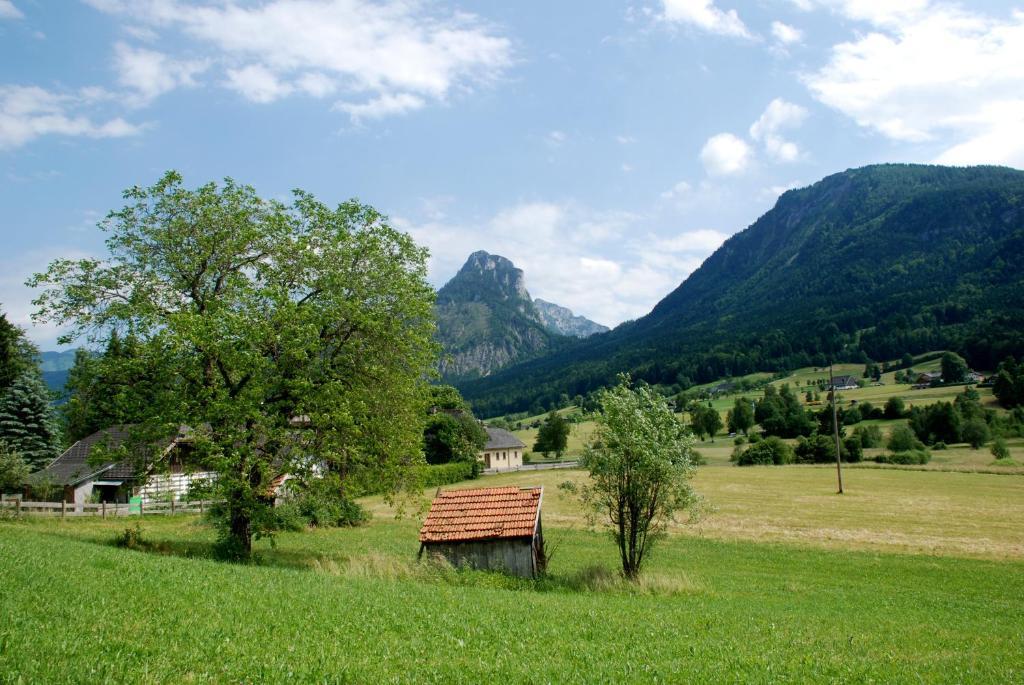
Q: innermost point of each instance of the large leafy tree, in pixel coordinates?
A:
(27, 421)
(640, 464)
(289, 334)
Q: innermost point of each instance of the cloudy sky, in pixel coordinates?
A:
(605, 147)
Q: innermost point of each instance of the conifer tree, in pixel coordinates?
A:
(27, 421)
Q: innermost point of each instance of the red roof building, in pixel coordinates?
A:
(487, 528)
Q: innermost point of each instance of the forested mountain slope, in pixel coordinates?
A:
(867, 263)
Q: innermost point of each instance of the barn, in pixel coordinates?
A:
(495, 529)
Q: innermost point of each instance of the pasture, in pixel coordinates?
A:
(911, 576)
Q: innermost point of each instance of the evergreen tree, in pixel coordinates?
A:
(1008, 385)
(553, 435)
(27, 421)
(17, 354)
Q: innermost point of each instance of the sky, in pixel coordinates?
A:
(607, 148)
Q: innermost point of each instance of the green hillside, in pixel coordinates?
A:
(868, 263)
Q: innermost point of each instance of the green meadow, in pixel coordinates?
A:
(909, 577)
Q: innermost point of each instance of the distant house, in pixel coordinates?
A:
(845, 383)
(929, 377)
(496, 529)
(974, 377)
(723, 388)
(81, 479)
(503, 451)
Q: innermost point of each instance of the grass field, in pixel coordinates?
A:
(909, 577)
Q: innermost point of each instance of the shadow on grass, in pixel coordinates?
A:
(159, 540)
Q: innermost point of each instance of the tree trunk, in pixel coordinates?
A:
(241, 533)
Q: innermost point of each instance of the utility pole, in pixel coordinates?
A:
(835, 428)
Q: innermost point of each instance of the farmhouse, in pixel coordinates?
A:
(503, 451)
(487, 528)
(80, 478)
(845, 383)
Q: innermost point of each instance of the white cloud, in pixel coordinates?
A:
(383, 58)
(680, 189)
(779, 115)
(150, 74)
(599, 264)
(703, 14)
(385, 105)
(725, 154)
(786, 34)
(625, 140)
(935, 73)
(30, 112)
(555, 138)
(9, 11)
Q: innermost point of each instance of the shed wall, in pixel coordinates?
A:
(512, 556)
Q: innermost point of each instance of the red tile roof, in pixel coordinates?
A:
(482, 514)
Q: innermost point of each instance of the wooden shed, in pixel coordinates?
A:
(487, 528)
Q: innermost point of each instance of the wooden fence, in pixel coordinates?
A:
(18, 507)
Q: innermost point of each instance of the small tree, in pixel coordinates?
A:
(705, 421)
(741, 416)
(13, 469)
(954, 368)
(553, 435)
(894, 408)
(640, 464)
(27, 421)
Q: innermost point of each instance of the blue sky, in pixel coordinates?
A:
(605, 147)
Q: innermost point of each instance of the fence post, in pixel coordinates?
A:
(140, 507)
(172, 506)
(63, 507)
(17, 507)
(200, 506)
(103, 509)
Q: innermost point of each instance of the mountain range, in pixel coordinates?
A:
(864, 264)
(487, 320)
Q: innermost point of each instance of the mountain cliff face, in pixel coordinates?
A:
(487, 320)
(562, 321)
(867, 263)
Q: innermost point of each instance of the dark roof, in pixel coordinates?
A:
(500, 439)
(73, 466)
(482, 514)
(840, 381)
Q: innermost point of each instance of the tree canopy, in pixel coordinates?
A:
(290, 335)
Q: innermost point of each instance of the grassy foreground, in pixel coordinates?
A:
(354, 605)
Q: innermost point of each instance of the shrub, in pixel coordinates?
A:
(446, 474)
(816, 449)
(902, 439)
(940, 446)
(999, 449)
(740, 440)
(771, 450)
(894, 408)
(852, 450)
(754, 438)
(869, 436)
(130, 538)
(975, 432)
(918, 456)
